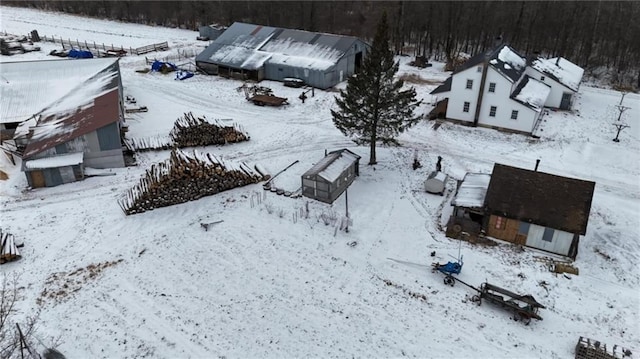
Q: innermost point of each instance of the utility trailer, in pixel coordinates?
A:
(268, 100)
(525, 307)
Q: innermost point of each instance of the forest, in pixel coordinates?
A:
(597, 35)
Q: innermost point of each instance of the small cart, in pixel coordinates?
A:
(525, 307)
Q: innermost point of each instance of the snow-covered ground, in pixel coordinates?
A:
(269, 283)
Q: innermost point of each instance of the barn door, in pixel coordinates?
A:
(37, 179)
(565, 103)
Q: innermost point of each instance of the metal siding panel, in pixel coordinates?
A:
(535, 236)
(561, 242)
(109, 137)
(104, 159)
(91, 142)
(67, 175)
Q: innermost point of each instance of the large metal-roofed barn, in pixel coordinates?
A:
(327, 179)
(256, 52)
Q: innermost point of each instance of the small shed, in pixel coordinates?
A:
(327, 179)
(436, 182)
(54, 170)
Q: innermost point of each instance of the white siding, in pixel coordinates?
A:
(459, 94)
(504, 104)
(560, 243)
(555, 96)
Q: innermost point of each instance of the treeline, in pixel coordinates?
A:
(590, 33)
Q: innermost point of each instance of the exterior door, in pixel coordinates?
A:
(565, 103)
(37, 179)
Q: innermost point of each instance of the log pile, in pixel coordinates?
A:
(148, 143)
(185, 177)
(8, 248)
(191, 131)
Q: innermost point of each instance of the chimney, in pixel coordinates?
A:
(537, 163)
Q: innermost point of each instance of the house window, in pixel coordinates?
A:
(500, 222)
(479, 68)
(492, 111)
(465, 108)
(469, 84)
(514, 115)
(492, 87)
(548, 235)
(541, 78)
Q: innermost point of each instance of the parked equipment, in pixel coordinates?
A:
(524, 307)
(449, 270)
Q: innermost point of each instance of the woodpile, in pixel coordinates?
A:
(190, 131)
(183, 178)
(8, 248)
(148, 143)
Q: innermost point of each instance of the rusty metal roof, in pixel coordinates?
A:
(544, 199)
(92, 104)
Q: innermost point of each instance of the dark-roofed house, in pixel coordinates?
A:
(71, 112)
(492, 90)
(256, 52)
(537, 210)
(561, 75)
(331, 176)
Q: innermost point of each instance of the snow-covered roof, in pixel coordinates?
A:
(299, 54)
(532, 93)
(30, 86)
(561, 70)
(249, 47)
(70, 159)
(89, 105)
(438, 176)
(508, 62)
(333, 164)
(338, 165)
(472, 190)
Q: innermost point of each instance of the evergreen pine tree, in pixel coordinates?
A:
(374, 108)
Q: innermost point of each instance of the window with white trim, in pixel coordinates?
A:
(492, 111)
(514, 115)
(465, 107)
(469, 84)
(479, 68)
(492, 87)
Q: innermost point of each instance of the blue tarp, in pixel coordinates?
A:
(183, 75)
(80, 54)
(158, 65)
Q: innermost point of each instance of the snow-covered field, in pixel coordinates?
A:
(265, 284)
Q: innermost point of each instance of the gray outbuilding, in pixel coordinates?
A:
(255, 52)
(327, 179)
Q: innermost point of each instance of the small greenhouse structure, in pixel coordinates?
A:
(327, 179)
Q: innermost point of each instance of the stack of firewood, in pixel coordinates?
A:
(190, 131)
(8, 248)
(186, 177)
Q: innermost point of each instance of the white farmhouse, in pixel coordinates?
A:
(497, 89)
(562, 75)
